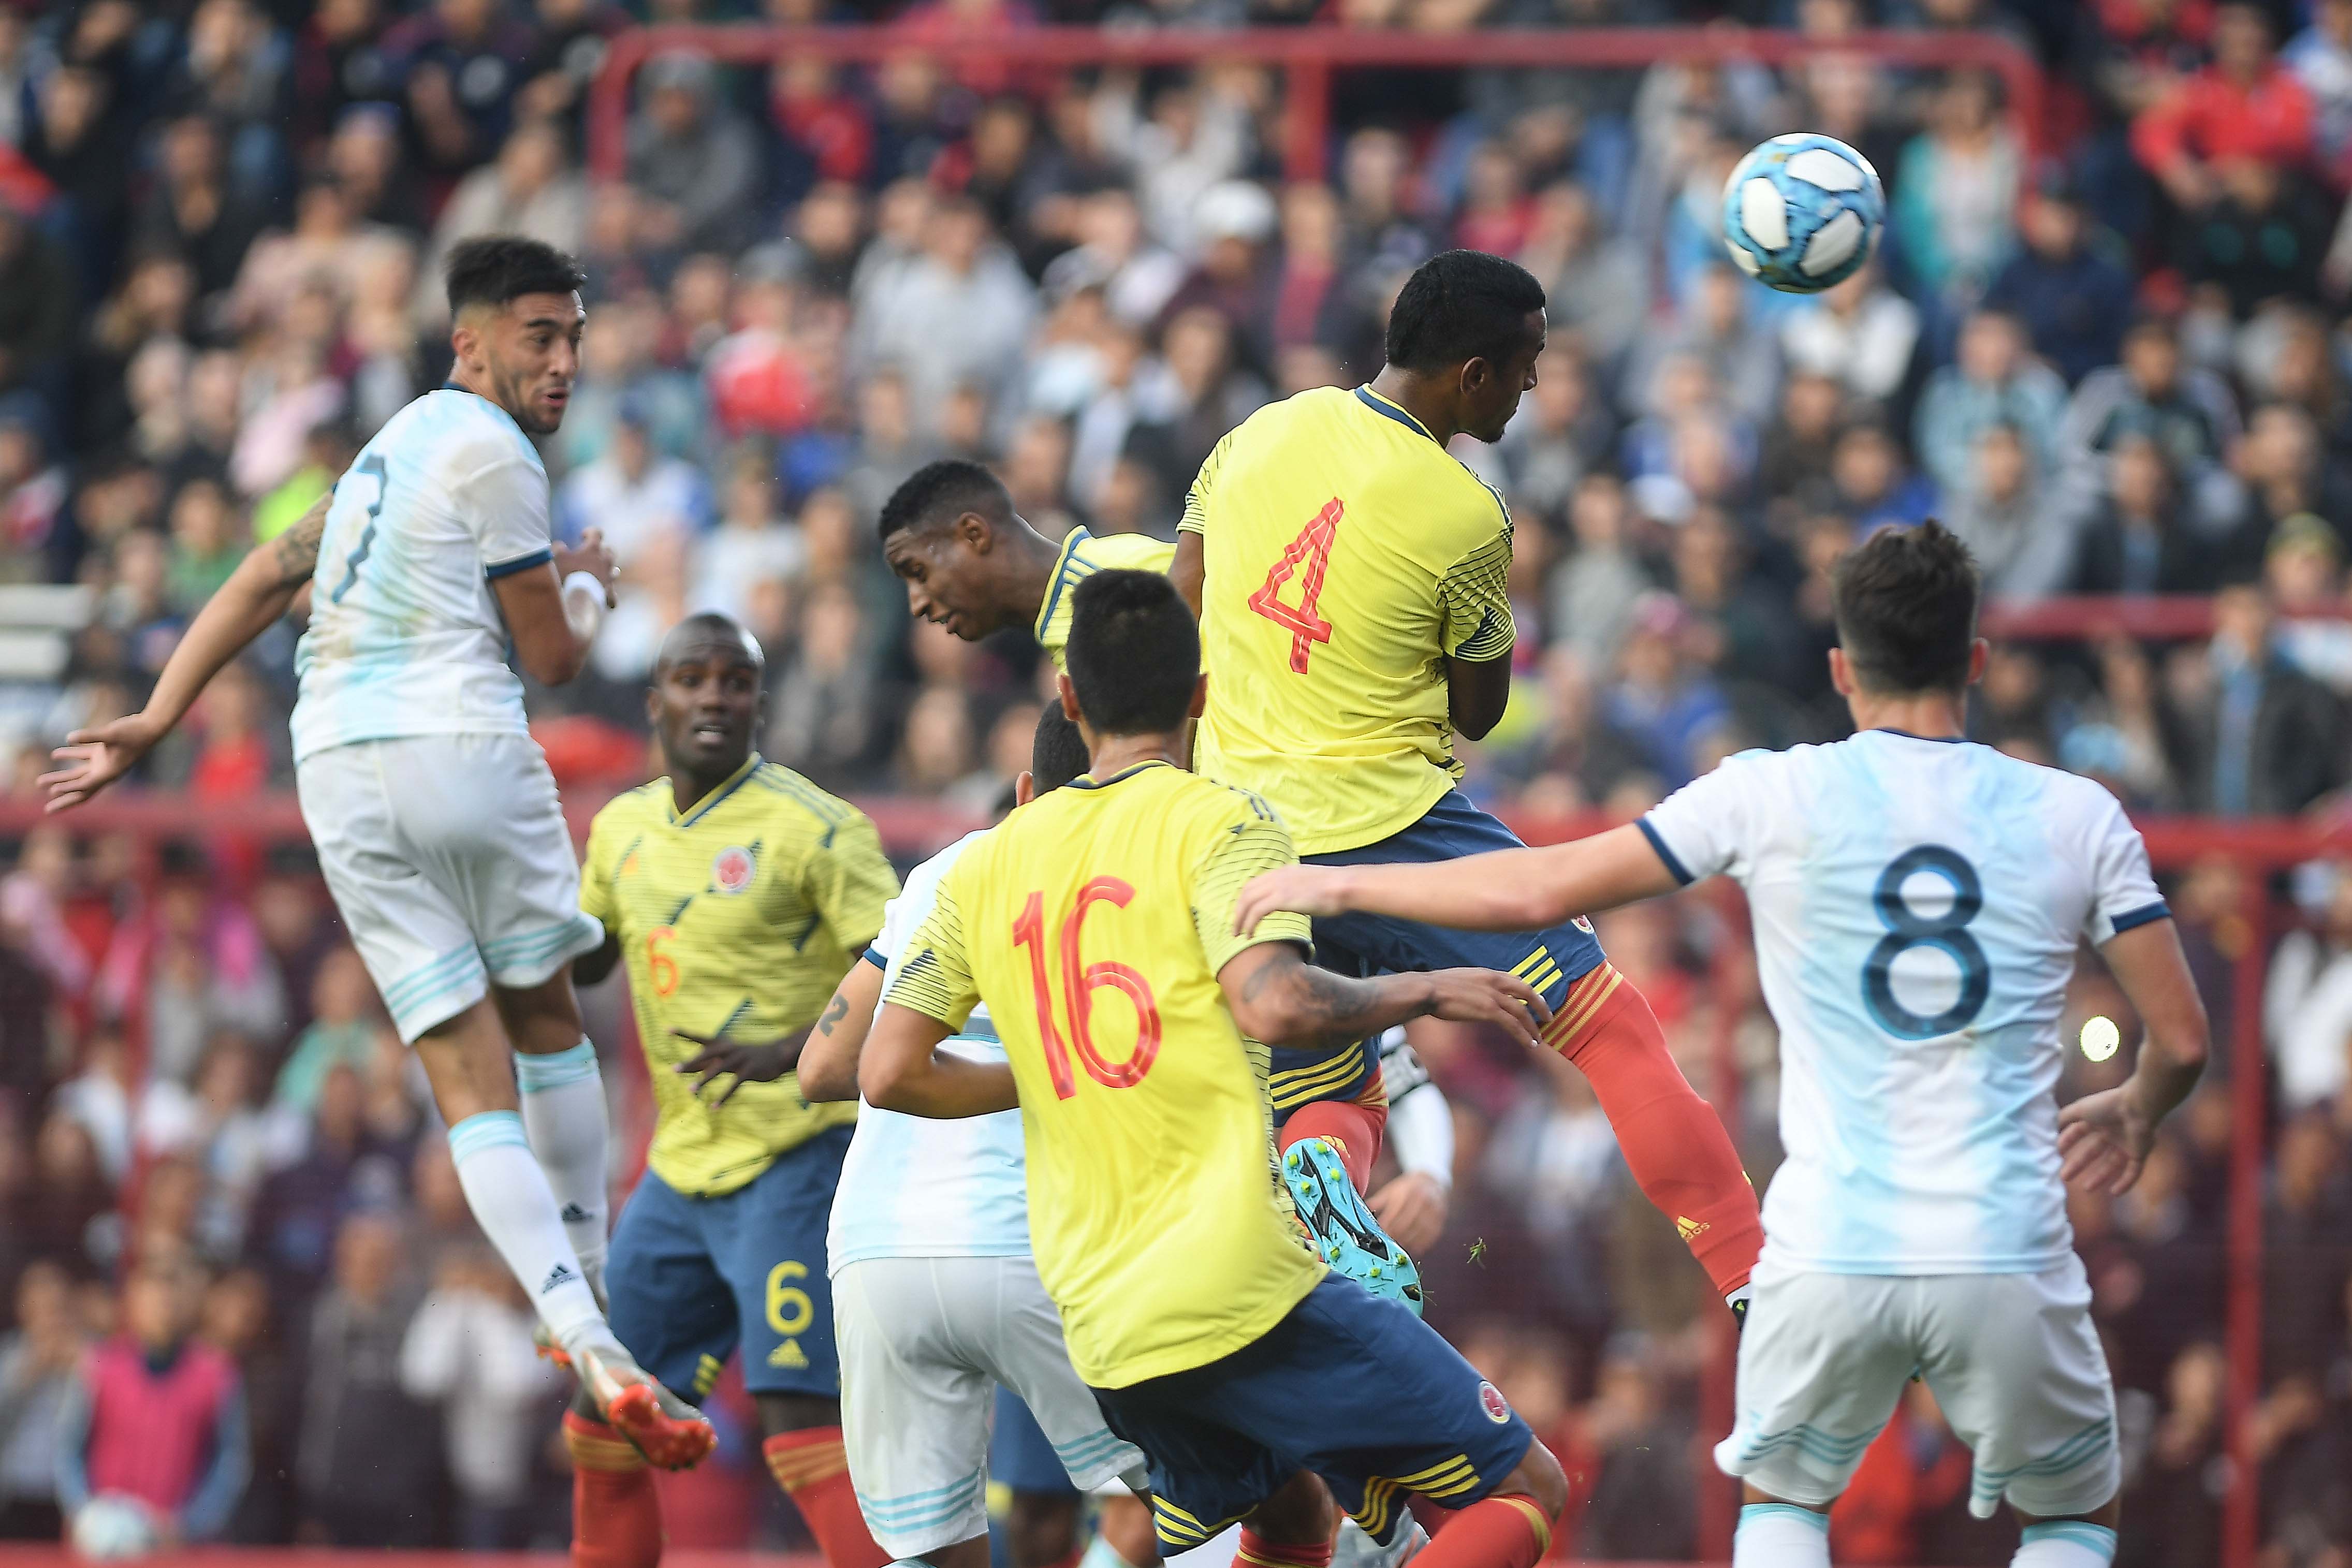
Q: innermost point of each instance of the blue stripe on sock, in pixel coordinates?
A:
(485, 1131)
(1819, 1521)
(533, 1073)
(2096, 1538)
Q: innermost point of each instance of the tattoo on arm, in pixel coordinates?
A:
(294, 552)
(833, 1015)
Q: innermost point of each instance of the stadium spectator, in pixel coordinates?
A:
(38, 1364)
(156, 1417)
(2252, 736)
(1862, 335)
(469, 1350)
(1993, 381)
(356, 1489)
(692, 157)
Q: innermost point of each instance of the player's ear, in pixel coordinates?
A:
(976, 531)
(653, 699)
(1842, 672)
(1200, 696)
(1980, 654)
(1069, 694)
(1025, 788)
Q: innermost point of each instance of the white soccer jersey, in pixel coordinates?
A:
(914, 1187)
(1917, 905)
(405, 637)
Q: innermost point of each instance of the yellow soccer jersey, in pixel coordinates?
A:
(1083, 555)
(1093, 922)
(737, 920)
(1346, 553)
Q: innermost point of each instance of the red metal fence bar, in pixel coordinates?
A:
(1306, 56)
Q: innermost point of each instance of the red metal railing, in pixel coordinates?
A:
(1306, 57)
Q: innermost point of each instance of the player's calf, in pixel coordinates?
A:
(1511, 1526)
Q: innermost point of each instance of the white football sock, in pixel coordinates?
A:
(1780, 1535)
(2065, 1543)
(563, 1113)
(516, 1209)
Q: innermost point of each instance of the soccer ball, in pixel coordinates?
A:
(112, 1526)
(1801, 212)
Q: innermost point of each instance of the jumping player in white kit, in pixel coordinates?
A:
(434, 814)
(1918, 903)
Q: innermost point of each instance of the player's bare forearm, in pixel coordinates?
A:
(902, 1070)
(264, 587)
(1276, 997)
(2149, 964)
(1505, 890)
(828, 1069)
(2103, 1138)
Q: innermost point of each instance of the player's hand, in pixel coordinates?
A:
(1483, 996)
(1412, 1211)
(596, 557)
(745, 1061)
(95, 758)
(2104, 1139)
(1309, 889)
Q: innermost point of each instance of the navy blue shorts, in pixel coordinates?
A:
(1348, 1385)
(1366, 944)
(1303, 1078)
(1020, 1455)
(690, 1277)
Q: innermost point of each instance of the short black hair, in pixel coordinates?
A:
(1059, 753)
(1459, 305)
(497, 269)
(708, 626)
(942, 490)
(1907, 608)
(1134, 654)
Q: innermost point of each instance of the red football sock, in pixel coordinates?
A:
(1352, 1128)
(1255, 1552)
(1673, 1140)
(616, 1512)
(1498, 1532)
(812, 1469)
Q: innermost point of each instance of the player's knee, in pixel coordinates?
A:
(1540, 1480)
(781, 1413)
(1042, 1528)
(1299, 1514)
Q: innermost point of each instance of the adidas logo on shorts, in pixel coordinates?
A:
(559, 1275)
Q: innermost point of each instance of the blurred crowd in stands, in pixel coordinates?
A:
(2110, 349)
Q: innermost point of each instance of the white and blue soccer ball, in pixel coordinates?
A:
(111, 1527)
(1802, 213)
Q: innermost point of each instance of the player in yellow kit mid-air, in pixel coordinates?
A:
(1350, 575)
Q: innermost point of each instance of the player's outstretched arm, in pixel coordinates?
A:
(902, 1069)
(1476, 693)
(553, 611)
(828, 1067)
(2103, 1138)
(1507, 890)
(263, 586)
(1275, 996)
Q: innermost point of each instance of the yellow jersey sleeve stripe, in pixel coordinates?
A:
(1067, 569)
(1255, 841)
(936, 981)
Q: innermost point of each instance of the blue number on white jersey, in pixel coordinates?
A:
(406, 637)
(1918, 906)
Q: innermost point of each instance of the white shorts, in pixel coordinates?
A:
(924, 1341)
(2011, 1358)
(449, 859)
